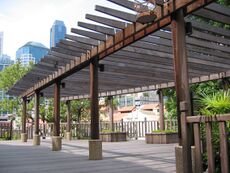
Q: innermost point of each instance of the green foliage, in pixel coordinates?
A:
(216, 103)
(164, 131)
(80, 109)
(212, 104)
(170, 103)
(10, 75)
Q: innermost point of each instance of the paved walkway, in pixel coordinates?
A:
(125, 157)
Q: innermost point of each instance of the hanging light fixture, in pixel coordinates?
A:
(145, 11)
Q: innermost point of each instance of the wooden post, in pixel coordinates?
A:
(69, 121)
(110, 102)
(182, 86)
(161, 109)
(94, 99)
(56, 139)
(23, 119)
(36, 136)
(95, 144)
(56, 131)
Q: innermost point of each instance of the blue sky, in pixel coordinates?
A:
(31, 20)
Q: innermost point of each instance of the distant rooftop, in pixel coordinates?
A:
(36, 44)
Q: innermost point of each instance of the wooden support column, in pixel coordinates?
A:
(36, 136)
(69, 121)
(111, 118)
(182, 89)
(95, 145)
(161, 109)
(23, 119)
(56, 139)
(94, 99)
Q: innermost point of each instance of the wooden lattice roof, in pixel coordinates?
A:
(135, 57)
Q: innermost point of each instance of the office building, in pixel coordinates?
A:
(31, 52)
(57, 32)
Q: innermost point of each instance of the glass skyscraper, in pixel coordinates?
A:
(57, 32)
(31, 51)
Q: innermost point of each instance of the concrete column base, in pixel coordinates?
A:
(68, 136)
(95, 149)
(36, 139)
(24, 137)
(180, 161)
(56, 143)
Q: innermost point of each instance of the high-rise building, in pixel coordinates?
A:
(31, 51)
(57, 32)
(1, 44)
(5, 61)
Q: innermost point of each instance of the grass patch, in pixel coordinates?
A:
(164, 131)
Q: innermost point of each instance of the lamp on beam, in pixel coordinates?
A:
(101, 67)
(188, 28)
(63, 85)
(145, 11)
(42, 94)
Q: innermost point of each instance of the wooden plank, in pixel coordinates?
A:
(89, 34)
(198, 156)
(206, 27)
(223, 148)
(76, 44)
(106, 21)
(215, 118)
(219, 9)
(116, 13)
(101, 29)
(211, 159)
(213, 16)
(82, 40)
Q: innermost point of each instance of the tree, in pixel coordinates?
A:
(10, 75)
(80, 109)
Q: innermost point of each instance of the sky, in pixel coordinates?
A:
(31, 20)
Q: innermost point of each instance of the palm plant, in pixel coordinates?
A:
(213, 104)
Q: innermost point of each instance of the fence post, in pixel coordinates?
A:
(122, 126)
(145, 124)
(11, 129)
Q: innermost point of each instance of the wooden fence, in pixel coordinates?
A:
(6, 129)
(211, 138)
(134, 129)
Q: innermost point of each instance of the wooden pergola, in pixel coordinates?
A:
(120, 56)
